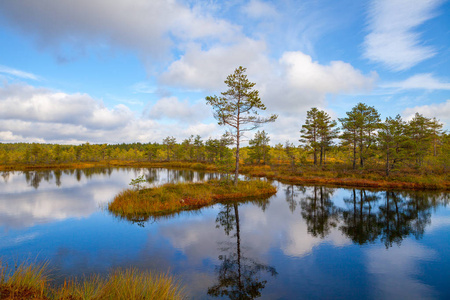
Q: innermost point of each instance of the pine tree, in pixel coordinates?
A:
(238, 108)
(259, 147)
(436, 128)
(420, 133)
(309, 131)
(170, 143)
(360, 130)
(392, 141)
(327, 131)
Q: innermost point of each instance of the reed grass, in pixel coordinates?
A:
(122, 284)
(26, 281)
(172, 197)
(31, 281)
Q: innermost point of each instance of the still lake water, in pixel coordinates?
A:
(303, 243)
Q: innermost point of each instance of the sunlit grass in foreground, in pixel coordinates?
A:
(32, 281)
(174, 197)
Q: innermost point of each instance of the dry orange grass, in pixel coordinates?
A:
(175, 197)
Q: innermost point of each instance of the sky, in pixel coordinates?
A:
(124, 71)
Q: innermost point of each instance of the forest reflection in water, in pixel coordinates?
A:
(368, 215)
(243, 250)
(152, 175)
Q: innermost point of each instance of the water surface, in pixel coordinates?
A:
(305, 242)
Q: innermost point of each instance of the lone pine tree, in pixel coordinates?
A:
(238, 108)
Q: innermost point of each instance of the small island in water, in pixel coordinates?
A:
(133, 204)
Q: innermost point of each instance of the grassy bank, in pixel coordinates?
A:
(170, 198)
(29, 281)
(331, 175)
(358, 178)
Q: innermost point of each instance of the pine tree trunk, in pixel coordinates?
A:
(387, 162)
(321, 155)
(236, 171)
(315, 156)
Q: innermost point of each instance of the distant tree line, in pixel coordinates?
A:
(358, 141)
(192, 149)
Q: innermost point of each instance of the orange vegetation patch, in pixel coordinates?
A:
(350, 178)
(182, 196)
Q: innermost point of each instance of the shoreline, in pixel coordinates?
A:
(308, 176)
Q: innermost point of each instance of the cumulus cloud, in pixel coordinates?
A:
(439, 110)
(301, 83)
(149, 27)
(207, 69)
(10, 137)
(393, 40)
(419, 81)
(288, 87)
(292, 84)
(32, 114)
(303, 73)
(172, 108)
(24, 102)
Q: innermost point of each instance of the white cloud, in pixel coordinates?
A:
(204, 130)
(393, 40)
(303, 73)
(439, 110)
(419, 81)
(300, 83)
(24, 102)
(291, 85)
(10, 137)
(148, 27)
(31, 114)
(172, 108)
(207, 69)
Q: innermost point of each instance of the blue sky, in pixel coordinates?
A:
(104, 71)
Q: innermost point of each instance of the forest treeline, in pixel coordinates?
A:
(359, 141)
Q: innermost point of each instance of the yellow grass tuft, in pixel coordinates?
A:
(30, 281)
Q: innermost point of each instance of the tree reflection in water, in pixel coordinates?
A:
(34, 178)
(239, 277)
(360, 219)
(319, 212)
(291, 195)
(401, 216)
(388, 216)
(5, 175)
